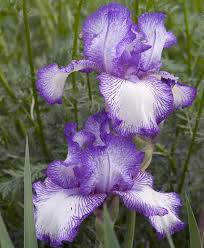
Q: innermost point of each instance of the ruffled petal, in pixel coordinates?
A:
(98, 125)
(142, 198)
(184, 95)
(171, 40)
(59, 212)
(77, 142)
(140, 105)
(152, 26)
(161, 208)
(169, 223)
(62, 174)
(51, 79)
(106, 33)
(83, 138)
(110, 167)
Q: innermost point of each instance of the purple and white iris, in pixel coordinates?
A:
(99, 164)
(127, 57)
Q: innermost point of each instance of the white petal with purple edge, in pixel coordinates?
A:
(62, 174)
(183, 95)
(111, 167)
(51, 79)
(140, 105)
(105, 32)
(161, 208)
(59, 212)
(152, 26)
(96, 124)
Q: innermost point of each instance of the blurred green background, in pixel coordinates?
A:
(52, 29)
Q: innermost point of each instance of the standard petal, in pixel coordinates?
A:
(98, 125)
(161, 208)
(152, 26)
(62, 174)
(59, 212)
(106, 34)
(51, 79)
(184, 95)
(140, 105)
(110, 167)
(83, 138)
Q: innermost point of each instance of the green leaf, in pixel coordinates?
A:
(195, 239)
(130, 231)
(5, 240)
(111, 240)
(29, 226)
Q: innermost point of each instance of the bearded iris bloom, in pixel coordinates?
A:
(99, 164)
(127, 57)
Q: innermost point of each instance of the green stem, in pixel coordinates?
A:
(7, 87)
(89, 87)
(188, 36)
(190, 149)
(172, 163)
(74, 54)
(131, 219)
(32, 72)
(136, 9)
(149, 5)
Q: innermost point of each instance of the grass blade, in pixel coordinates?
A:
(29, 226)
(5, 240)
(131, 218)
(111, 240)
(195, 239)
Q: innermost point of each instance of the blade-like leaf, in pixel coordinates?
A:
(111, 240)
(29, 226)
(195, 239)
(5, 240)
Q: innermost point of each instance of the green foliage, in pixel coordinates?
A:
(110, 236)
(29, 226)
(51, 39)
(5, 240)
(195, 239)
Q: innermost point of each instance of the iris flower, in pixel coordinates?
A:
(127, 57)
(99, 164)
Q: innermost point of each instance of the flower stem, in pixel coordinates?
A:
(32, 72)
(131, 219)
(74, 53)
(188, 36)
(89, 87)
(136, 9)
(190, 149)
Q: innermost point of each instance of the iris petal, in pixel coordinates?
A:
(106, 33)
(59, 212)
(51, 79)
(62, 173)
(152, 26)
(110, 167)
(140, 105)
(161, 208)
(184, 95)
